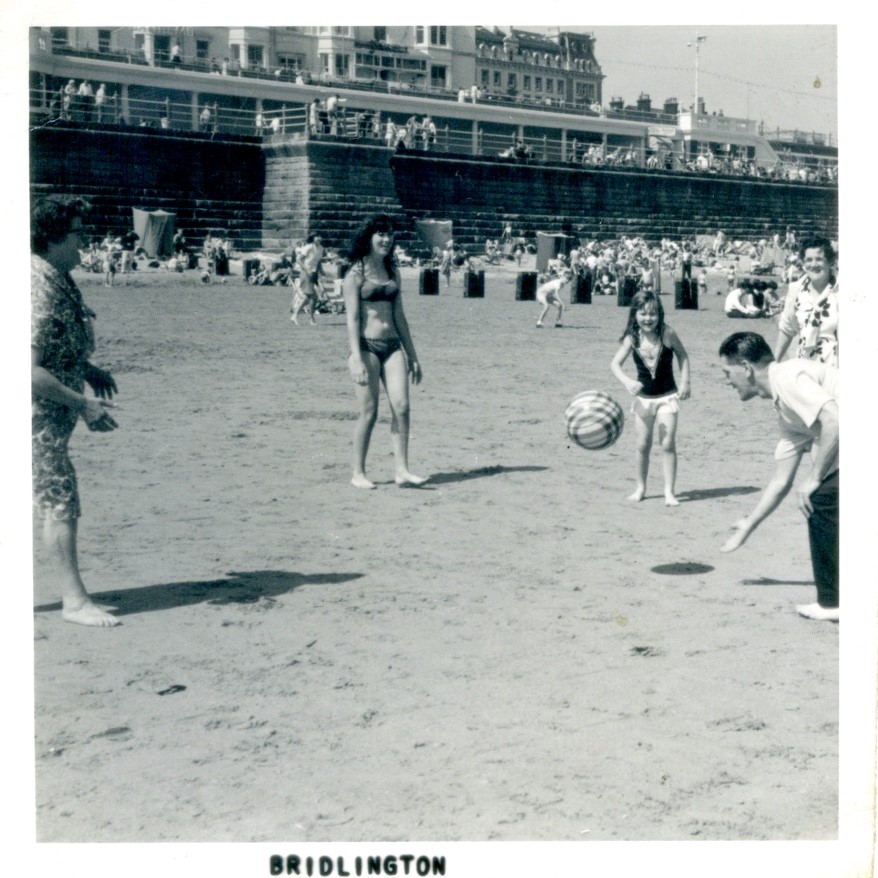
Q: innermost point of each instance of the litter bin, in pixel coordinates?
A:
(220, 265)
(474, 285)
(627, 287)
(429, 283)
(580, 290)
(686, 294)
(526, 286)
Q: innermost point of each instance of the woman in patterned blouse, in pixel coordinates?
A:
(61, 343)
(811, 309)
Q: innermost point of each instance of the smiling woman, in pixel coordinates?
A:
(381, 345)
(811, 308)
(61, 343)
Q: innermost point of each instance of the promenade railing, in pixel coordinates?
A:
(295, 123)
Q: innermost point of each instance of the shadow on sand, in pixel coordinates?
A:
(238, 588)
(765, 580)
(481, 472)
(711, 493)
(681, 568)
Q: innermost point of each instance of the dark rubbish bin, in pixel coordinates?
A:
(474, 285)
(580, 290)
(686, 294)
(249, 266)
(627, 288)
(220, 265)
(429, 283)
(526, 286)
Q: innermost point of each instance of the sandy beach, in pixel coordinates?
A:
(513, 652)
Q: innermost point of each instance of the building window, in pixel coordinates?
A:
(254, 56)
(59, 38)
(235, 50)
(538, 83)
(486, 79)
(324, 62)
(202, 49)
(525, 83)
(138, 42)
(340, 31)
(161, 48)
(497, 79)
(438, 76)
(560, 86)
(439, 35)
(342, 65)
(512, 82)
(104, 40)
(549, 85)
(379, 34)
(291, 62)
(419, 35)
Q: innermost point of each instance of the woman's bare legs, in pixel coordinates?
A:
(396, 384)
(367, 397)
(76, 605)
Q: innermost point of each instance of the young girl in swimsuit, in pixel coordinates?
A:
(656, 397)
(381, 347)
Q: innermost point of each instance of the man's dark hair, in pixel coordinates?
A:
(51, 219)
(746, 347)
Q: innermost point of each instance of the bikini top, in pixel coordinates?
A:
(378, 291)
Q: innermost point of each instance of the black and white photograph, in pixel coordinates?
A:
(436, 447)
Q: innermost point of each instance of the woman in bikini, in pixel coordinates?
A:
(381, 346)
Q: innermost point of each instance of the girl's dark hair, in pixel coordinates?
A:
(361, 246)
(644, 297)
(51, 219)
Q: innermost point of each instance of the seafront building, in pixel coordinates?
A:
(270, 132)
(485, 89)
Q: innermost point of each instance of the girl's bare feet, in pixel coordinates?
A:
(638, 494)
(360, 481)
(90, 614)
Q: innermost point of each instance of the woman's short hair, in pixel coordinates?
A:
(818, 242)
(51, 219)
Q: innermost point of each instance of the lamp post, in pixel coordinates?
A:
(697, 43)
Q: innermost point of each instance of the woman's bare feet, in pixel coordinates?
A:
(671, 500)
(360, 481)
(409, 480)
(638, 494)
(90, 614)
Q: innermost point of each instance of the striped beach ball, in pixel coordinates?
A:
(594, 420)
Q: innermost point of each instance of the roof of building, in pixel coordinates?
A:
(526, 39)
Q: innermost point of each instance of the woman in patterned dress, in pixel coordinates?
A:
(811, 308)
(61, 343)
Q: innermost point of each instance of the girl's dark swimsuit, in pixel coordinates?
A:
(658, 381)
(383, 348)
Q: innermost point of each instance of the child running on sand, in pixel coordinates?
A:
(656, 396)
